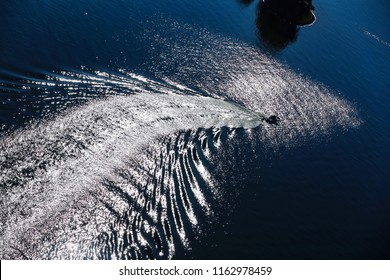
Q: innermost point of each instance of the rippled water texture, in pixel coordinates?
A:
(125, 176)
(124, 137)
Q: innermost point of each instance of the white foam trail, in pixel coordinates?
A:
(56, 164)
(376, 37)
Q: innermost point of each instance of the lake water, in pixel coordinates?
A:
(135, 130)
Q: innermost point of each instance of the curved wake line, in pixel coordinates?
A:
(63, 163)
(377, 38)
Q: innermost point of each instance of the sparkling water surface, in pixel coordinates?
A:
(136, 130)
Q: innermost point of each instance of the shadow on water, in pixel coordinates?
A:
(278, 21)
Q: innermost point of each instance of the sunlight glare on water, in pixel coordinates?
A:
(117, 164)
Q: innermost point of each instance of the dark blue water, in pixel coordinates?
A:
(134, 129)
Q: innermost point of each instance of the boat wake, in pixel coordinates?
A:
(123, 177)
(377, 38)
(117, 165)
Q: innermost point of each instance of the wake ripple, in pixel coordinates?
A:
(89, 184)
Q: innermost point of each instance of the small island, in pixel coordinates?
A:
(278, 20)
(297, 12)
